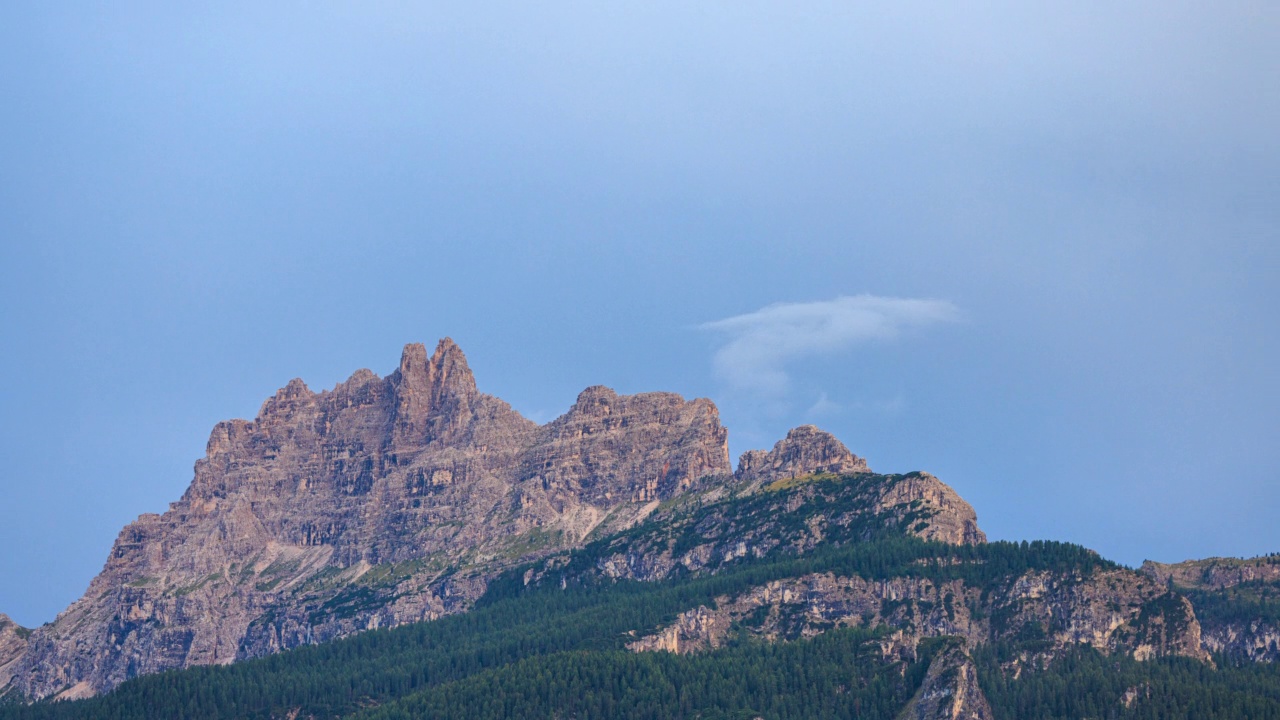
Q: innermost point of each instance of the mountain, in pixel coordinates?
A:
(803, 597)
(612, 553)
(385, 501)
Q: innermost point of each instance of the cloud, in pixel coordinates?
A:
(824, 406)
(759, 345)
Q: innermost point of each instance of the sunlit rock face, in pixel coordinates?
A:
(13, 643)
(392, 500)
(379, 502)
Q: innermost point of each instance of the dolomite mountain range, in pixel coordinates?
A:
(393, 500)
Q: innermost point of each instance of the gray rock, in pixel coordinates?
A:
(380, 502)
(13, 643)
(950, 691)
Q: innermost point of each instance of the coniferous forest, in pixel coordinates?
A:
(559, 650)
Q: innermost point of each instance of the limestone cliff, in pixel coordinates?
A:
(1239, 601)
(1113, 611)
(379, 502)
(13, 643)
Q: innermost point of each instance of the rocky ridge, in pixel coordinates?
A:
(386, 501)
(393, 500)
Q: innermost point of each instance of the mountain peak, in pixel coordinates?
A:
(804, 451)
(441, 387)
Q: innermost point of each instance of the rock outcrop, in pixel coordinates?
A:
(950, 691)
(380, 502)
(808, 451)
(805, 450)
(1215, 573)
(949, 518)
(1115, 611)
(1240, 596)
(13, 643)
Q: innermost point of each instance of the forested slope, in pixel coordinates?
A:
(563, 636)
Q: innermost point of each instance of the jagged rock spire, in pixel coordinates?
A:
(432, 395)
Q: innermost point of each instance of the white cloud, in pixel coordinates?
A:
(824, 407)
(759, 345)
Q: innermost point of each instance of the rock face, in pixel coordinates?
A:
(1234, 592)
(1253, 639)
(1115, 611)
(805, 450)
(382, 501)
(950, 691)
(1215, 573)
(950, 518)
(13, 642)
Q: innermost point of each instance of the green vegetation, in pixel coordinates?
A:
(1086, 684)
(836, 675)
(519, 633)
(557, 647)
(1238, 604)
(794, 482)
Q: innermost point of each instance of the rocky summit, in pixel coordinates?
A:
(393, 500)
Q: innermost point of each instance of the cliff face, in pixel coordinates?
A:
(13, 643)
(805, 450)
(950, 691)
(1238, 598)
(379, 502)
(1113, 611)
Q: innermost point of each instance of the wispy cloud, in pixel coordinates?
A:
(759, 345)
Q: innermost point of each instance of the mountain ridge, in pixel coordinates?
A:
(384, 501)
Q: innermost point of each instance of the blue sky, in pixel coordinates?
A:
(1031, 248)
